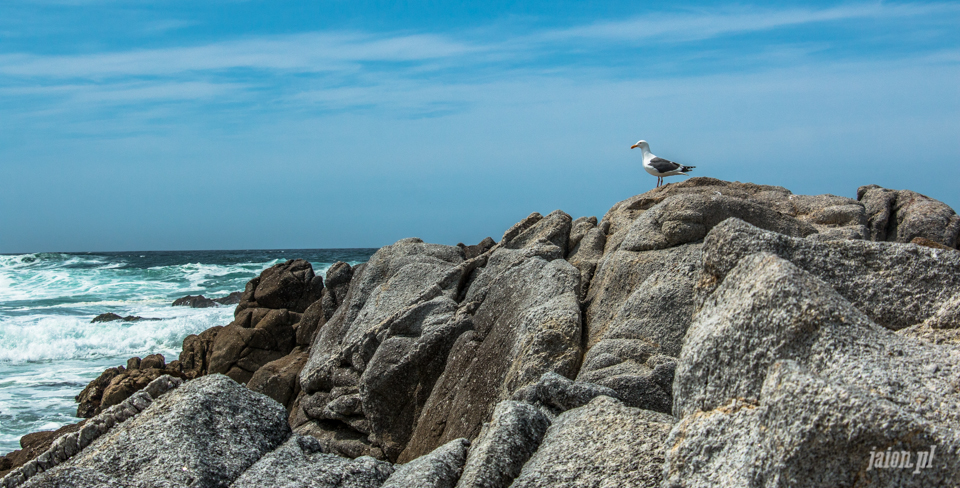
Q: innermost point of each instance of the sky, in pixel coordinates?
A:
(227, 124)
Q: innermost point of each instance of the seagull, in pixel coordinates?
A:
(660, 167)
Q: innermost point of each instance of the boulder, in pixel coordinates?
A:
(291, 285)
(554, 228)
(683, 219)
(204, 434)
(603, 443)
(801, 420)
(943, 327)
(256, 337)
(280, 379)
(232, 299)
(439, 469)
(373, 364)
(110, 317)
(903, 215)
(34, 444)
(318, 313)
(196, 352)
(895, 285)
(301, 463)
(504, 445)
(768, 310)
(90, 397)
(198, 301)
(527, 324)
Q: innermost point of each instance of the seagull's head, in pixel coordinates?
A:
(641, 144)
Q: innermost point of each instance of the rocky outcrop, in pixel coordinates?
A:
(903, 215)
(111, 317)
(705, 333)
(896, 285)
(204, 433)
(439, 469)
(115, 385)
(291, 286)
(374, 362)
(301, 463)
(504, 445)
(603, 443)
(200, 301)
(779, 373)
(527, 324)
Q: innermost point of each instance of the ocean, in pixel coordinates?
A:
(49, 349)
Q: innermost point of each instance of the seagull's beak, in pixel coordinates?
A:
(633, 146)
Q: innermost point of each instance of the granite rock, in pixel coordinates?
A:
(439, 469)
(504, 445)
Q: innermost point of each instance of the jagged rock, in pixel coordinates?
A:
(196, 352)
(504, 445)
(768, 309)
(204, 434)
(903, 215)
(280, 379)
(896, 285)
(603, 443)
(687, 218)
(89, 399)
(198, 301)
(110, 317)
(373, 364)
(256, 337)
(32, 445)
(439, 469)
(117, 384)
(633, 369)
(559, 394)
(232, 299)
(941, 328)
(291, 285)
(806, 430)
(527, 324)
(318, 313)
(554, 228)
(301, 463)
(470, 252)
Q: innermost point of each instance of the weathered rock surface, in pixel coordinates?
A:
(903, 215)
(806, 430)
(768, 309)
(896, 285)
(291, 285)
(111, 317)
(603, 443)
(439, 469)
(280, 379)
(256, 337)
(301, 463)
(194, 301)
(373, 364)
(117, 384)
(527, 324)
(204, 433)
(558, 394)
(504, 445)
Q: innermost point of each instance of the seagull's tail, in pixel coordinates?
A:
(684, 169)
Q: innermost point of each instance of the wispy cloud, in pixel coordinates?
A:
(709, 24)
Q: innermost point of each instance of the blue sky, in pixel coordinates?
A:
(143, 125)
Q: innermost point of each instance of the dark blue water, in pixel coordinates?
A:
(49, 350)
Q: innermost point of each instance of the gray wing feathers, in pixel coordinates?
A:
(664, 165)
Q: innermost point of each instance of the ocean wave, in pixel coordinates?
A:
(58, 337)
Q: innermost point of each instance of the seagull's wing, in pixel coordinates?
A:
(663, 165)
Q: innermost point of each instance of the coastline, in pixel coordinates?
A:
(661, 318)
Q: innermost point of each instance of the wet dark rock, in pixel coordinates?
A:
(291, 285)
(194, 301)
(110, 317)
(231, 299)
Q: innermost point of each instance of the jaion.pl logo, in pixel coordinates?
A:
(891, 459)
